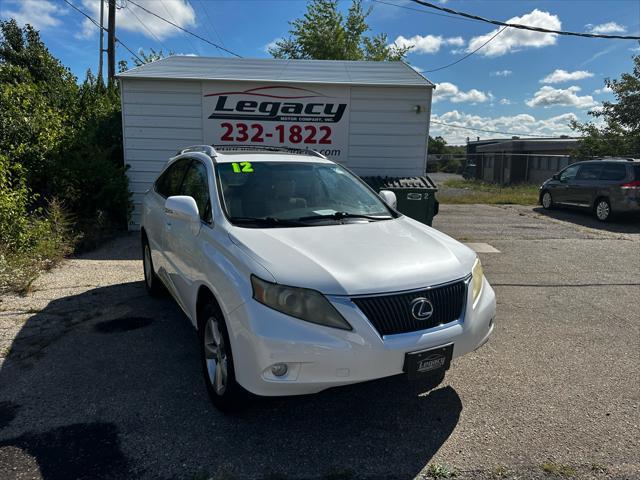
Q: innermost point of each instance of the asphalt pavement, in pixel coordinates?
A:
(99, 381)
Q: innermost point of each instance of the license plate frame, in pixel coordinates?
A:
(425, 363)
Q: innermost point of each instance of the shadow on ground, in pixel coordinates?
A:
(116, 392)
(619, 224)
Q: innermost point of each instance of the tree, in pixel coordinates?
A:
(323, 33)
(144, 58)
(619, 135)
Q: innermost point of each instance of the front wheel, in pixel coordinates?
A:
(547, 201)
(603, 209)
(217, 362)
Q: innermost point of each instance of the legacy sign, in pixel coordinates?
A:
(277, 115)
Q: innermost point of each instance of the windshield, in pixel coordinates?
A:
(291, 194)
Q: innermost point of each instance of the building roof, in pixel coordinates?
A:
(525, 144)
(270, 69)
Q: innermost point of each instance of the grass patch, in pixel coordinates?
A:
(488, 193)
(558, 469)
(43, 244)
(438, 471)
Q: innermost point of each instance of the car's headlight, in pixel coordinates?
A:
(476, 280)
(301, 303)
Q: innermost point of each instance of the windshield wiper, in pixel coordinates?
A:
(342, 215)
(268, 221)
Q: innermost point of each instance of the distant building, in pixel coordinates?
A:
(516, 160)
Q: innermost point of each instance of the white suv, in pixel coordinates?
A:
(299, 277)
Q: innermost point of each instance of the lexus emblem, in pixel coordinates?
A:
(421, 308)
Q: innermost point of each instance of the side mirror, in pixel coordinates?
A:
(182, 207)
(556, 176)
(389, 198)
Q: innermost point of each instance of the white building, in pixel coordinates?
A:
(373, 117)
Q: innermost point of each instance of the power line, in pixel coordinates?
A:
(468, 54)
(185, 30)
(102, 28)
(145, 27)
(523, 27)
(513, 134)
(213, 26)
(422, 10)
(193, 46)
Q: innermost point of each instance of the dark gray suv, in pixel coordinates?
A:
(605, 186)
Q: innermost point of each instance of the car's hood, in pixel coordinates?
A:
(357, 258)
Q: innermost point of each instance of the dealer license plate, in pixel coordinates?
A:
(427, 362)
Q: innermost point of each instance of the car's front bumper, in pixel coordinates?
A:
(320, 357)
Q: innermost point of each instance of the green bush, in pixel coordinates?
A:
(30, 241)
(61, 165)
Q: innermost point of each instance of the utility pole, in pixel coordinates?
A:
(101, 41)
(111, 41)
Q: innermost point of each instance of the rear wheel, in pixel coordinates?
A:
(151, 281)
(547, 201)
(603, 209)
(217, 362)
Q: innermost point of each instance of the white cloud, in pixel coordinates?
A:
(179, 12)
(605, 89)
(41, 14)
(427, 44)
(514, 40)
(520, 124)
(417, 69)
(505, 101)
(604, 28)
(449, 91)
(635, 49)
(501, 73)
(559, 76)
(550, 97)
(272, 44)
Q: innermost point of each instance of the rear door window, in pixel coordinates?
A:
(169, 182)
(636, 172)
(590, 171)
(613, 171)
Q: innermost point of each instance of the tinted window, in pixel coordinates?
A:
(590, 171)
(613, 171)
(636, 174)
(169, 182)
(195, 185)
(569, 173)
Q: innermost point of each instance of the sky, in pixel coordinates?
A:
(519, 83)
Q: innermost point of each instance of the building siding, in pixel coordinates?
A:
(159, 118)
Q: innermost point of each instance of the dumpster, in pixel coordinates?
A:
(416, 195)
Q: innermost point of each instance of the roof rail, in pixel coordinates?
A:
(267, 148)
(208, 149)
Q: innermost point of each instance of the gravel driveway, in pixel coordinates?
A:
(100, 381)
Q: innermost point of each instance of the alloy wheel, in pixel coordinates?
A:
(546, 200)
(603, 210)
(215, 355)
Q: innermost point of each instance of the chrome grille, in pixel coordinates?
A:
(391, 314)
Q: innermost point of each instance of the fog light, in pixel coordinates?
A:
(279, 369)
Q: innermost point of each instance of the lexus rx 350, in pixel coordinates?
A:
(299, 277)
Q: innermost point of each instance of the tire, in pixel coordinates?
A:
(602, 209)
(152, 283)
(217, 362)
(547, 200)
